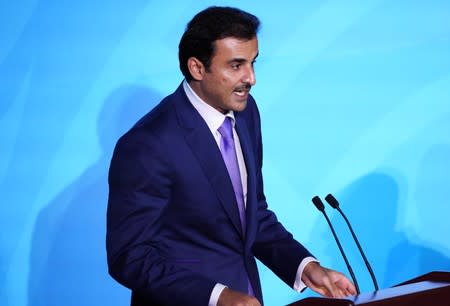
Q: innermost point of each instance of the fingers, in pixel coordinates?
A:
(327, 282)
(333, 290)
(343, 283)
(342, 286)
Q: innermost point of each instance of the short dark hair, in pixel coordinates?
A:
(209, 25)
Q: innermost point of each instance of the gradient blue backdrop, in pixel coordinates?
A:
(354, 97)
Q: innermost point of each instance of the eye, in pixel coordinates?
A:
(236, 66)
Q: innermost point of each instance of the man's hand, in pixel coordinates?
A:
(230, 297)
(327, 282)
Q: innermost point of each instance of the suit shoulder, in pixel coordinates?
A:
(161, 118)
(146, 136)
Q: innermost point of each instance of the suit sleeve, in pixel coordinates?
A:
(274, 245)
(139, 191)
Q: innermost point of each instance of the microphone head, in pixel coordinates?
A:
(332, 201)
(318, 203)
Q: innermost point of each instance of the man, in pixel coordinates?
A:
(186, 213)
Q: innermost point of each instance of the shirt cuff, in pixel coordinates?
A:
(299, 285)
(214, 297)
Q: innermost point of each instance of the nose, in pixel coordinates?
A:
(249, 76)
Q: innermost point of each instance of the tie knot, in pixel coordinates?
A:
(226, 129)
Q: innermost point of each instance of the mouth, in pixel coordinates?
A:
(242, 91)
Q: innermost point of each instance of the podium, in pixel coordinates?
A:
(429, 289)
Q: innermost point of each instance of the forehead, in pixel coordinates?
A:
(231, 47)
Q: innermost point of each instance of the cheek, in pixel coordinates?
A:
(230, 84)
(230, 79)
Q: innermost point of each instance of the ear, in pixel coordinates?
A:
(196, 68)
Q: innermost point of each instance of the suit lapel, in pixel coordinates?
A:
(203, 145)
(251, 205)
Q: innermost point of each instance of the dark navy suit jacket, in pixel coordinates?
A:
(173, 228)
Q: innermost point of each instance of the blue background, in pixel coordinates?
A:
(354, 98)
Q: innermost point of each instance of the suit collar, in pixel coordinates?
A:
(212, 116)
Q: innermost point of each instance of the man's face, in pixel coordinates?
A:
(226, 84)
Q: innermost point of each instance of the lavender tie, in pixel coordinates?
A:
(230, 158)
(228, 151)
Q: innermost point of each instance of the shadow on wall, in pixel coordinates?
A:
(371, 204)
(57, 51)
(414, 255)
(68, 256)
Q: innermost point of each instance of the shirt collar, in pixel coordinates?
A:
(212, 116)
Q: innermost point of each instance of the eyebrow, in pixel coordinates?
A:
(241, 60)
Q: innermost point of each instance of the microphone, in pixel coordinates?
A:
(335, 204)
(319, 205)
